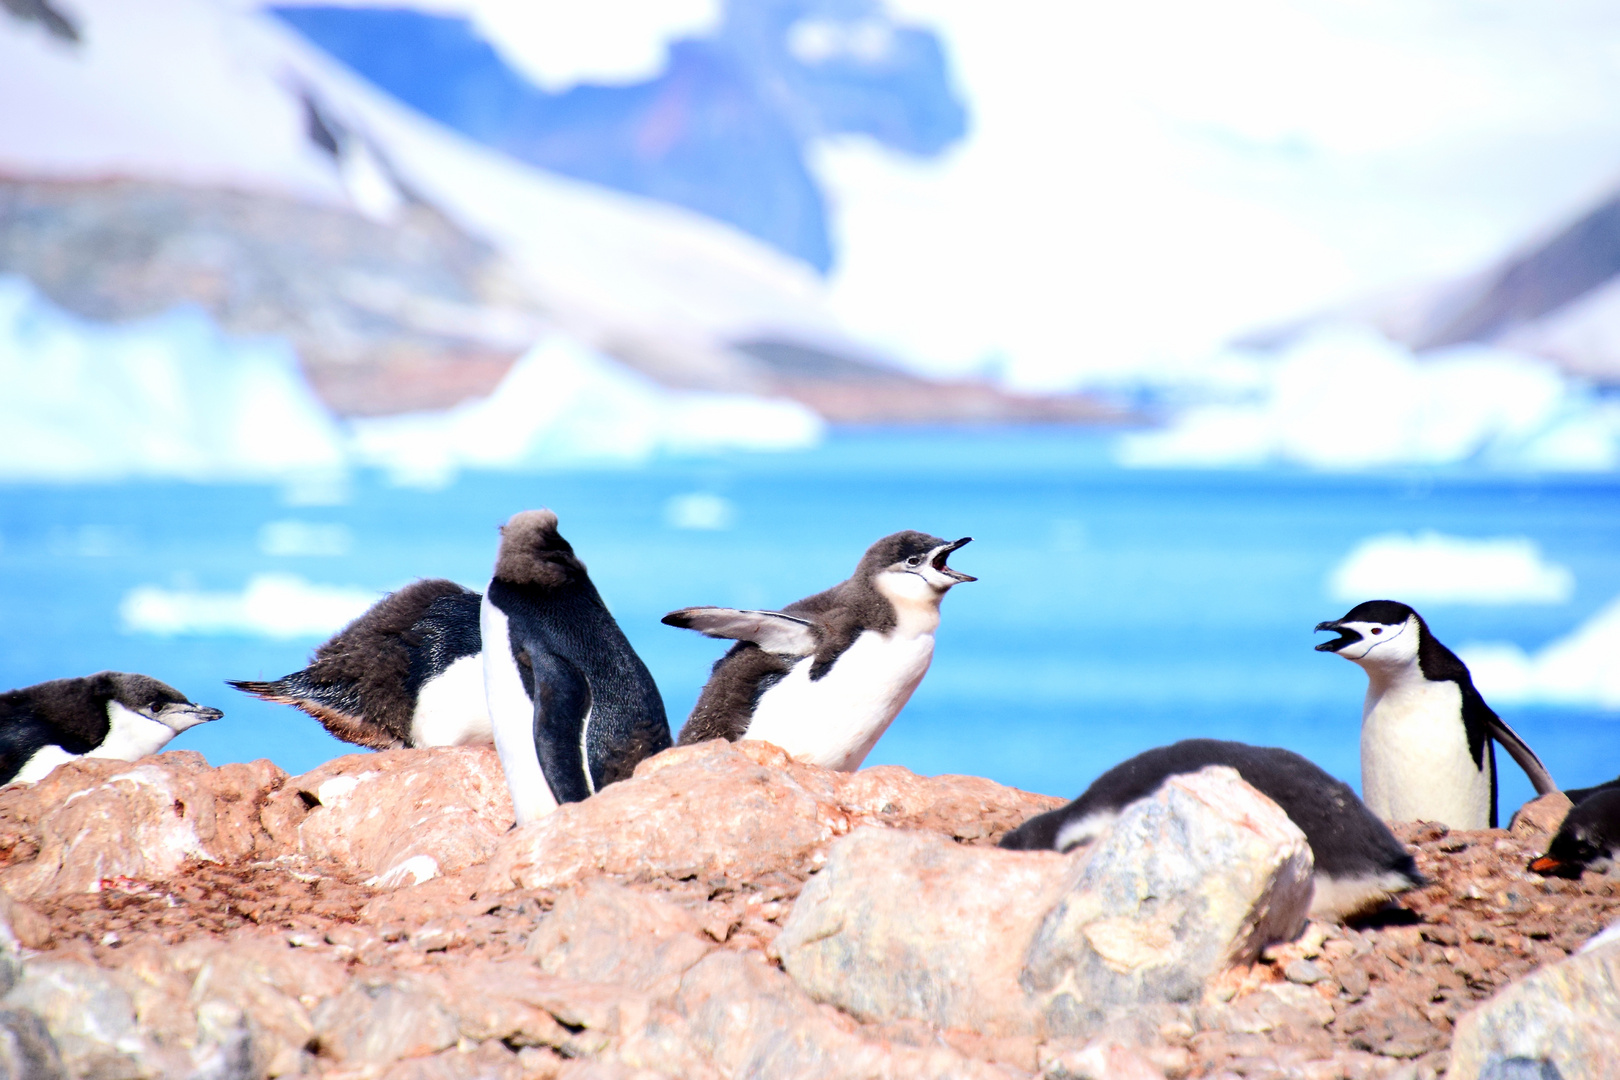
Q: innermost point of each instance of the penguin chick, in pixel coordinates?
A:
(1587, 840)
(406, 673)
(1426, 734)
(1359, 863)
(824, 677)
(110, 714)
(573, 707)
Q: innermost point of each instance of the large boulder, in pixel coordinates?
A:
(1200, 876)
(741, 810)
(1566, 1014)
(398, 817)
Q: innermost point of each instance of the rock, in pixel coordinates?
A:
(89, 1016)
(27, 1051)
(740, 810)
(374, 1025)
(1099, 1060)
(398, 817)
(909, 926)
(1304, 972)
(605, 933)
(96, 819)
(1566, 1013)
(1541, 815)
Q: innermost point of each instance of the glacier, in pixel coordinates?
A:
(1576, 669)
(1433, 567)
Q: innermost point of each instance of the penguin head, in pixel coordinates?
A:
(533, 552)
(912, 564)
(147, 697)
(1379, 633)
(1586, 840)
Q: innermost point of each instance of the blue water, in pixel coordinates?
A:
(1116, 610)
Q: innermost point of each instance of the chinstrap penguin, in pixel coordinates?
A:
(573, 707)
(1359, 863)
(1589, 838)
(406, 673)
(110, 714)
(1426, 734)
(824, 677)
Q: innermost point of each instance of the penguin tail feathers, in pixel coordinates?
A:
(270, 691)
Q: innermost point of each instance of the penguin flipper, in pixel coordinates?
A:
(772, 631)
(562, 711)
(1540, 778)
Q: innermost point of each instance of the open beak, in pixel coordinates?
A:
(943, 553)
(1346, 636)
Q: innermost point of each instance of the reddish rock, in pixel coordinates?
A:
(741, 810)
(1541, 815)
(398, 817)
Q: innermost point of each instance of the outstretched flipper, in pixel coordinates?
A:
(773, 631)
(1540, 778)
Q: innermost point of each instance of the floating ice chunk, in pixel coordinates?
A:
(294, 538)
(272, 605)
(1431, 567)
(1347, 398)
(1582, 668)
(699, 510)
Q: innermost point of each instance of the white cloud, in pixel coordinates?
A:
(304, 538)
(271, 605)
(1582, 668)
(1431, 567)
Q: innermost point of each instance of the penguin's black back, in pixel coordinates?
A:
(70, 713)
(1346, 839)
(362, 684)
(569, 621)
(1580, 795)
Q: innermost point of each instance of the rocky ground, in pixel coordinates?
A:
(177, 920)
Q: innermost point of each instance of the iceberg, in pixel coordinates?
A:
(1344, 397)
(566, 404)
(166, 396)
(1579, 669)
(1431, 567)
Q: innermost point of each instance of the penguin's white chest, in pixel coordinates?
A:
(451, 708)
(1415, 763)
(834, 721)
(511, 716)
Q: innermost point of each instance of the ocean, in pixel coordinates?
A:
(1116, 609)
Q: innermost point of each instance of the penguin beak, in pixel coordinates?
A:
(1346, 636)
(181, 717)
(1554, 867)
(942, 553)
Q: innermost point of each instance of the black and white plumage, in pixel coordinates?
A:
(573, 707)
(1589, 838)
(406, 673)
(824, 677)
(1426, 733)
(1359, 862)
(110, 714)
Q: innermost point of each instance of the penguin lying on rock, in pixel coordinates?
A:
(110, 714)
(1359, 863)
(1426, 734)
(824, 677)
(1589, 838)
(572, 706)
(406, 673)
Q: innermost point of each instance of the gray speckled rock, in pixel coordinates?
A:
(908, 926)
(1566, 1014)
(27, 1051)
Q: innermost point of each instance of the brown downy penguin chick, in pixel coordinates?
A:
(573, 707)
(406, 673)
(111, 714)
(824, 677)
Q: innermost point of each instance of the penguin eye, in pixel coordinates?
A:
(915, 560)
(1378, 629)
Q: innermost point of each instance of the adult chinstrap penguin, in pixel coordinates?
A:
(111, 714)
(1426, 733)
(1589, 838)
(406, 673)
(1360, 864)
(824, 677)
(573, 707)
